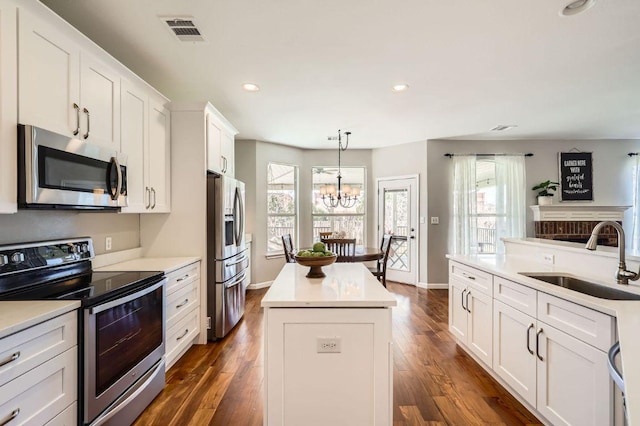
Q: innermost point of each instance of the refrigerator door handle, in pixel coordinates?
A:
(236, 282)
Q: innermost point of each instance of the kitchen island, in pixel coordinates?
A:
(327, 348)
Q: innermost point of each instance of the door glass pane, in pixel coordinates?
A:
(396, 222)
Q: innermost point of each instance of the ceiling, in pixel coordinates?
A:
(324, 65)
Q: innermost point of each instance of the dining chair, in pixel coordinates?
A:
(345, 248)
(287, 245)
(380, 271)
(325, 235)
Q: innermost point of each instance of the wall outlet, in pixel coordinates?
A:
(107, 243)
(329, 345)
(435, 220)
(549, 259)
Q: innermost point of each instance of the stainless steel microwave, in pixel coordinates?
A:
(59, 172)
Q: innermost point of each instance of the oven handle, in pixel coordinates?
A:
(128, 298)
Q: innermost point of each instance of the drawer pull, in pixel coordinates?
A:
(12, 416)
(12, 358)
(528, 330)
(471, 277)
(183, 278)
(177, 338)
(182, 304)
(538, 344)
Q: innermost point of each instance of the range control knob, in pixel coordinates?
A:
(3, 259)
(85, 248)
(17, 257)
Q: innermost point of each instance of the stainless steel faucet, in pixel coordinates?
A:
(622, 276)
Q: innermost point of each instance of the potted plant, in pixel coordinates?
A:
(545, 192)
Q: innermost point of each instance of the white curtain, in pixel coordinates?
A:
(635, 242)
(465, 235)
(511, 201)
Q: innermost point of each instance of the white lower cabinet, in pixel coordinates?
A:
(182, 305)
(38, 373)
(549, 351)
(471, 314)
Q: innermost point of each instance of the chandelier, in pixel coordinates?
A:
(344, 195)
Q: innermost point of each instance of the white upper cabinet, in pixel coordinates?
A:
(158, 153)
(220, 143)
(64, 89)
(145, 141)
(8, 109)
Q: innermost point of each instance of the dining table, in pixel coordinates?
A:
(363, 254)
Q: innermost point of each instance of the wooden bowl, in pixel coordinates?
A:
(315, 264)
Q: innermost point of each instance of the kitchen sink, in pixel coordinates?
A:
(585, 287)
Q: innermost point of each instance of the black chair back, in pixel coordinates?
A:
(287, 245)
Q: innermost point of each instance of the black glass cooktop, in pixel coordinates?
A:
(90, 288)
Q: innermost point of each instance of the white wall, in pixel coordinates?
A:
(612, 179)
(403, 160)
(251, 160)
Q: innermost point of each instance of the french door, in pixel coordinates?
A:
(398, 215)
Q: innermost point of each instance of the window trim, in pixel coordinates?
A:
(269, 254)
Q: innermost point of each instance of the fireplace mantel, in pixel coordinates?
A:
(577, 212)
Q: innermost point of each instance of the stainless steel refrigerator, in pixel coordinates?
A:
(227, 260)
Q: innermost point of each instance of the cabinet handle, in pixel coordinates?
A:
(182, 304)
(9, 359)
(153, 191)
(462, 299)
(77, 108)
(177, 338)
(471, 277)
(468, 294)
(12, 416)
(183, 278)
(148, 192)
(528, 330)
(538, 344)
(86, 111)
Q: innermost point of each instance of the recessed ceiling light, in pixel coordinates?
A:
(577, 6)
(501, 127)
(250, 87)
(400, 87)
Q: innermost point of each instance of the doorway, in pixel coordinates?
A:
(398, 215)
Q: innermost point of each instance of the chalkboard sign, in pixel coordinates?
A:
(576, 176)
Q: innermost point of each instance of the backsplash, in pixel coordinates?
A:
(575, 231)
(39, 225)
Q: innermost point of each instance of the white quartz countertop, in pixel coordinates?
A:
(627, 313)
(166, 264)
(346, 285)
(19, 315)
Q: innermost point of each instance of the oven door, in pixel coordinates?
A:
(123, 340)
(60, 172)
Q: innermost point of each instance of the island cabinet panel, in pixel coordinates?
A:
(351, 385)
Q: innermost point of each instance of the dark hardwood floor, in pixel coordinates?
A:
(435, 382)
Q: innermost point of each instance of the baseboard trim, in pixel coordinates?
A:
(433, 286)
(258, 286)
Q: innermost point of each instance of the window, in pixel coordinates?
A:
(350, 220)
(282, 205)
(489, 202)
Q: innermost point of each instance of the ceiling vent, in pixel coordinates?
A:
(503, 127)
(183, 27)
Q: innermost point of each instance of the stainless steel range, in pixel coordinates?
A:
(121, 323)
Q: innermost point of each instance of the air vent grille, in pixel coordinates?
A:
(183, 28)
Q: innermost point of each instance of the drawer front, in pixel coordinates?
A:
(182, 301)
(592, 327)
(516, 295)
(181, 335)
(473, 277)
(42, 393)
(182, 277)
(69, 417)
(22, 351)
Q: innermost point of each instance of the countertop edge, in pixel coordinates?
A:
(165, 264)
(14, 317)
